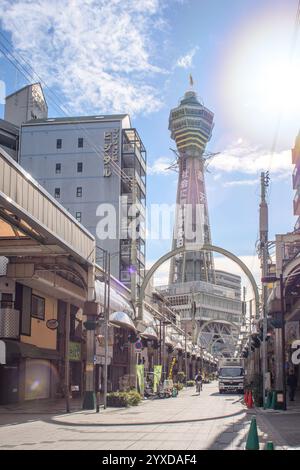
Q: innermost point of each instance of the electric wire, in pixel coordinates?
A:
(31, 75)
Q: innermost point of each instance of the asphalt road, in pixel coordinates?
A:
(209, 421)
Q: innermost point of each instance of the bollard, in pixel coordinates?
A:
(252, 439)
(274, 400)
(269, 400)
(250, 400)
(269, 446)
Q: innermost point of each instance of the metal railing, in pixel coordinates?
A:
(9, 321)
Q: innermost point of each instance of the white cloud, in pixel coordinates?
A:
(161, 276)
(160, 166)
(228, 184)
(251, 160)
(251, 261)
(97, 53)
(186, 61)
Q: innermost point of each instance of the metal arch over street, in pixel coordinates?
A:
(205, 247)
(210, 322)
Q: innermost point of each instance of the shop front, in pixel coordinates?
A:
(29, 373)
(124, 357)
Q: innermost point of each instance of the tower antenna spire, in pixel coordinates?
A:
(191, 81)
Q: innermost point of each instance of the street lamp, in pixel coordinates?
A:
(271, 279)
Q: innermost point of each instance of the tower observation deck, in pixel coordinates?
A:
(191, 125)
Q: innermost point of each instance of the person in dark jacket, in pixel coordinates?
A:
(292, 384)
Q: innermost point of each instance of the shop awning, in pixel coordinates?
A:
(122, 320)
(117, 301)
(168, 341)
(15, 350)
(2, 352)
(149, 333)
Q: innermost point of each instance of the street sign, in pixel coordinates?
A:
(101, 360)
(52, 324)
(138, 345)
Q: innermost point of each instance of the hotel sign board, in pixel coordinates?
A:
(111, 150)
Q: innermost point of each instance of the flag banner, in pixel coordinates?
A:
(140, 378)
(157, 376)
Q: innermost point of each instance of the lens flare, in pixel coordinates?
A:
(259, 76)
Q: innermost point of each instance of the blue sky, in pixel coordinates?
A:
(128, 56)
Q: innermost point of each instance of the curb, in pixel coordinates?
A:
(271, 431)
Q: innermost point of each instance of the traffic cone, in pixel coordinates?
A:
(246, 397)
(269, 446)
(250, 400)
(252, 439)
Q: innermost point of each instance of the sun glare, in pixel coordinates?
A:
(260, 76)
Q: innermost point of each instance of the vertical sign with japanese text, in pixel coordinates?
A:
(111, 150)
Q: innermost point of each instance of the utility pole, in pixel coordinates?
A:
(106, 321)
(133, 270)
(283, 360)
(264, 254)
(67, 357)
(185, 345)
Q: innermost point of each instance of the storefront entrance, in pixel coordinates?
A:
(9, 384)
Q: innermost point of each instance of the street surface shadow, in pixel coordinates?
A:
(143, 423)
(229, 436)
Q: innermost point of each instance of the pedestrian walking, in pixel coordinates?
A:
(292, 384)
(198, 380)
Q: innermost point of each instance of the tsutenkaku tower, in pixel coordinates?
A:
(191, 126)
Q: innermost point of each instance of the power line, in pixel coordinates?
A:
(29, 76)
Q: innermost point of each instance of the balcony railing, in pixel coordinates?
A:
(297, 203)
(131, 149)
(296, 177)
(297, 225)
(295, 155)
(9, 321)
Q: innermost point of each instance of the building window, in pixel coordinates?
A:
(57, 193)
(58, 168)
(80, 142)
(38, 307)
(79, 191)
(78, 216)
(6, 300)
(79, 167)
(58, 143)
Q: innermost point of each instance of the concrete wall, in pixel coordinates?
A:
(41, 336)
(25, 104)
(39, 156)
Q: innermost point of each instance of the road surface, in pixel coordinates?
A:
(209, 421)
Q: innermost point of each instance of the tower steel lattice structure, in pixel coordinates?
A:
(191, 125)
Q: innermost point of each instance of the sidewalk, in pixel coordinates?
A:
(42, 406)
(284, 426)
(188, 422)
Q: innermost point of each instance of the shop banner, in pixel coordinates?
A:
(157, 376)
(140, 378)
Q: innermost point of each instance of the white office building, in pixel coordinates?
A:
(78, 161)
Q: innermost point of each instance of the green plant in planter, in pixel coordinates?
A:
(117, 399)
(190, 383)
(181, 377)
(123, 399)
(178, 386)
(134, 398)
